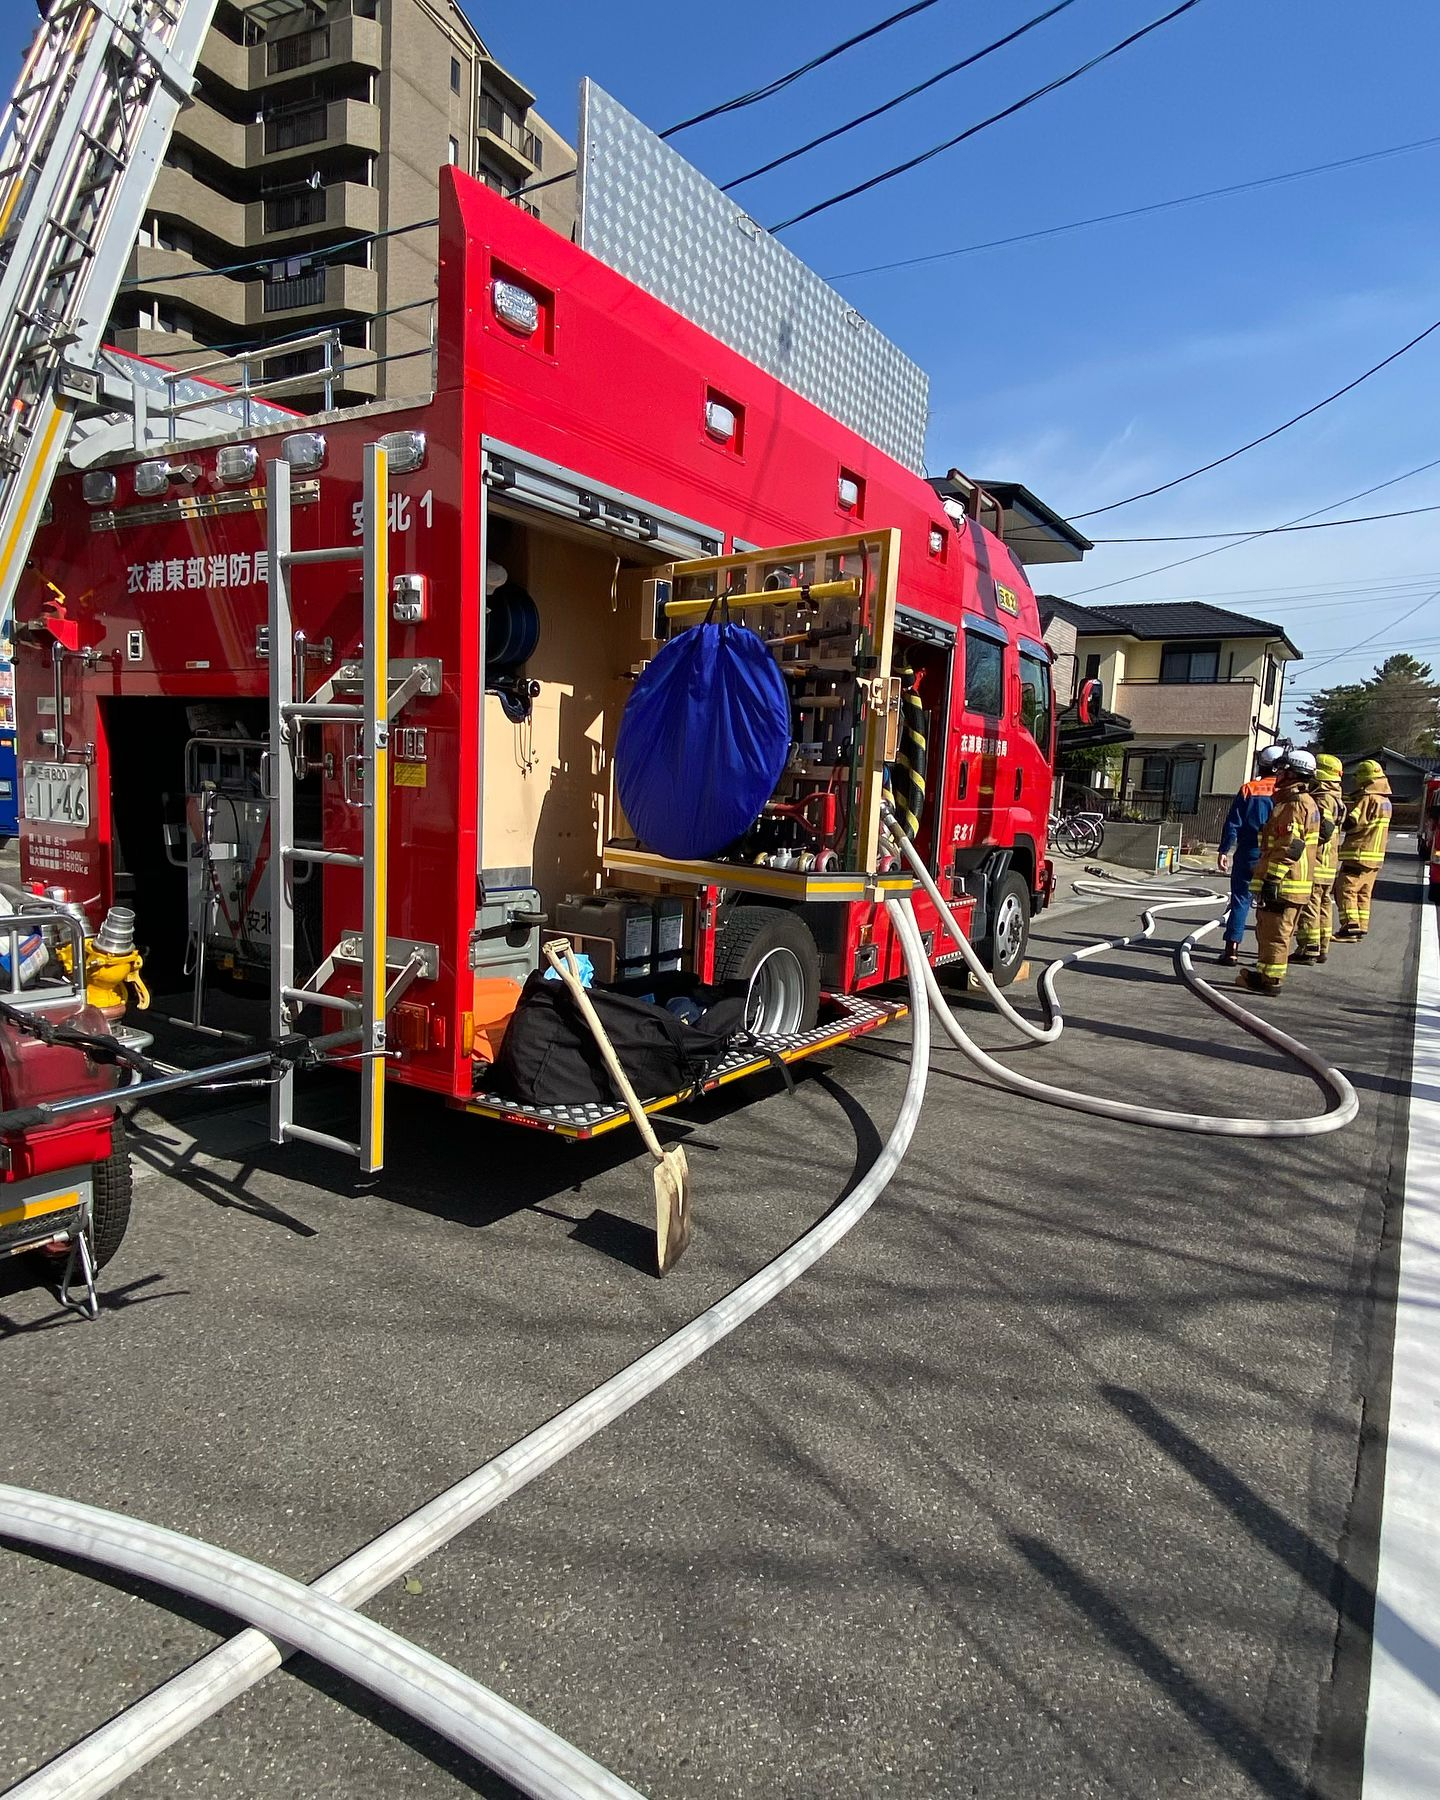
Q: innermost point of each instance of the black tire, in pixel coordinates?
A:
(1003, 950)
(770, 935)
(113, 1183)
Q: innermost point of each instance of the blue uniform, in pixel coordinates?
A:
(1248, 816)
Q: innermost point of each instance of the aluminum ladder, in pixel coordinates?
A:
(80, 143)
(381, 689)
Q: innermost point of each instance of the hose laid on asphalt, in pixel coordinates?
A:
(1342, 1101)
(117, 1749)
(501, 1736)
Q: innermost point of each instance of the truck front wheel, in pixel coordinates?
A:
(772, 954)
(1004, 950)
(112, 1184)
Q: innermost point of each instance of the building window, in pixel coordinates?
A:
(454, 74)
(1035, 699)
(1092, 665)
(1270, 679)
(297, 52)
(1190, 662)
(292, 130)
(984, 676)
(454, 155)
(284, 212)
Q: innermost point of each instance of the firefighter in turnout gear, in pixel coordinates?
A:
(1286, 870)
(1362, 849)
(1312, 937)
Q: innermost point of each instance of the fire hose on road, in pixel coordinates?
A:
(1342, 1103)
(100, 1762)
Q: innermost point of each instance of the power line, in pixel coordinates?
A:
(1196, 537)
(1230, 455)
(1134, 212)
(1366, 641)
(899, 99)
(1200, 555)
(805, 68)
(925, 156)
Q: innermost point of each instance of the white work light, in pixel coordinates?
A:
(515, 306)
(304, 450)
(719, 421)
(405, 450)
(236, 462)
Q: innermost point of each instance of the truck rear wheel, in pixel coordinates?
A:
(1004, 950)
(772, 953)
(113, 1184)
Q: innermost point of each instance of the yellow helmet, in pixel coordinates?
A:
(1365, 772)
(1329, 768)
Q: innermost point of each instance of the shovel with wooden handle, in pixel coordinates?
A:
(672, 1172)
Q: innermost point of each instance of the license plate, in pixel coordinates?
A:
(57, 793)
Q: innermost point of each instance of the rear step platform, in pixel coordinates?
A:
(844, 1016)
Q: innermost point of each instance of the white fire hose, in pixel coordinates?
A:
(109, 1755)
(1342, 1103)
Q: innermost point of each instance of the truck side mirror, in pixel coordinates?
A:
(1088, 702)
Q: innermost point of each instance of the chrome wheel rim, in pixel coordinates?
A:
(775, 998)
(1009, 930)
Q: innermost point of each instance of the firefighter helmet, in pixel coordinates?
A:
(1297, 765)
(1270, 758)
(1365, 772)
(1329, 768)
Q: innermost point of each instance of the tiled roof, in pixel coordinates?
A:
(1169, 619)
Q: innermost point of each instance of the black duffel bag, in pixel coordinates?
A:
(550, 1058)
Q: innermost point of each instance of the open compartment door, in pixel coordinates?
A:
(827, 610)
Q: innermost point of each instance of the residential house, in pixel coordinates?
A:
(1202, 688)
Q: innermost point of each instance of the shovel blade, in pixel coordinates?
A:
(672, 1209)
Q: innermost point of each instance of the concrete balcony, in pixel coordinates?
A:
(212, 132)
(301, 131)
(194, 204)
(224, 60)
(346, 207)
(1194, 709)
(310, 295)
(342, 44)
(153, 273)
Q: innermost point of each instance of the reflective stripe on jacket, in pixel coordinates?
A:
(1332, 807)
(1288, 845)
(1367, 826)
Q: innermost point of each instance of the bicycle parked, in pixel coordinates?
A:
(1075, 833)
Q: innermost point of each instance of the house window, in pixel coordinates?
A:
(1035, 699)
(1154, 771)
(1092, 665)
(454, 74)
(1190, 662)
(454, 155)
(984, 675)
(1270, 673)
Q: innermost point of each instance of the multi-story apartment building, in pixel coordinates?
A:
(316, 125)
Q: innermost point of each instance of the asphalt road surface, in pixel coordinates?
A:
(1056, 1478)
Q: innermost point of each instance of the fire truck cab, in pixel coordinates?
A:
(350, 687)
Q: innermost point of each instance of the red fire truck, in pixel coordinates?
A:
(334, 706)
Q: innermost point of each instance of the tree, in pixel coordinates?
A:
(1396, 708)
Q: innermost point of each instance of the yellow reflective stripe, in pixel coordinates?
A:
(38, 1209)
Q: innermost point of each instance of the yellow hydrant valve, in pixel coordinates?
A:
(112, 964)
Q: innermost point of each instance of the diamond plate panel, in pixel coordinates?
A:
(656, 220)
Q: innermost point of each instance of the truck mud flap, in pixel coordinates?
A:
(843, 1018)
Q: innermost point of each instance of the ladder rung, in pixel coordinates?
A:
(322, 712)
(302, 1134)
(309, 997)
(340, 859)
(337, 553)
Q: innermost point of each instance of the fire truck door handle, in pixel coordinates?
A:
(963, 782)
(1019, 782)
(266, 792)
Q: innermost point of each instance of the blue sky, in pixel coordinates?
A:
(1102, 361)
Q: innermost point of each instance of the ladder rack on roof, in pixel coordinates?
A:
(80, 143)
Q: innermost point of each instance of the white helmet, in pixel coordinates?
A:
(1270, 758)
(1301, 764)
